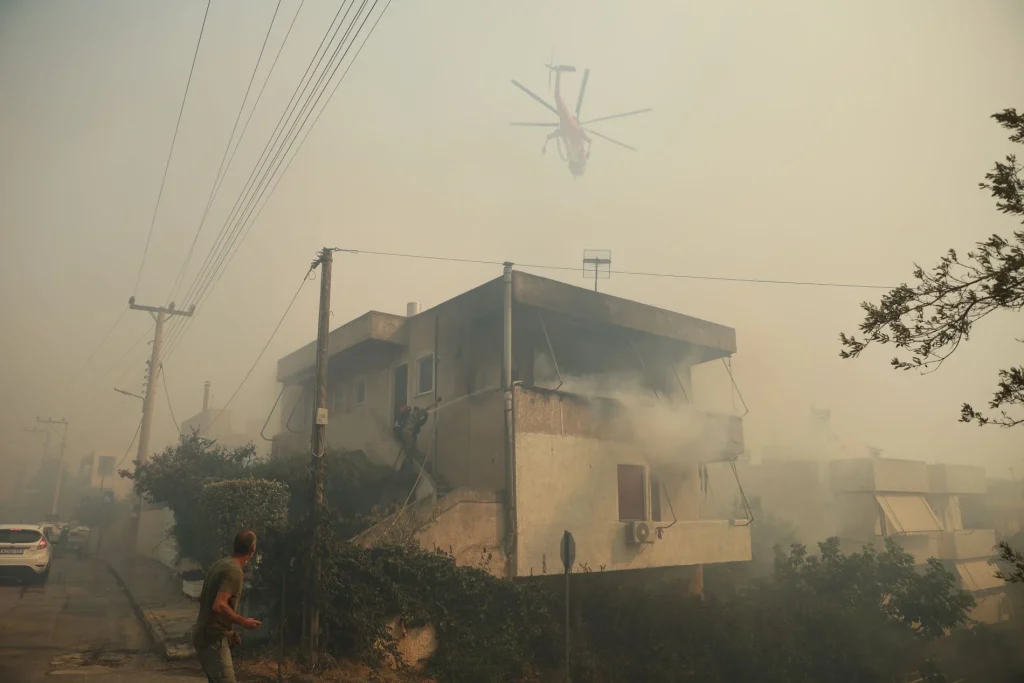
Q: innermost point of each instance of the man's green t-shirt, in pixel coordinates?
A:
(225, 576)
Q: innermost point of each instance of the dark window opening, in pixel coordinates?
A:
(425, 375)
(632, 503)
(360, 391)
(401, 390)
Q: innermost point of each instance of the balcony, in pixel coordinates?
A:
(879, 474)
(604, 547)
(967, 544)
(957, 479)
(642, 421)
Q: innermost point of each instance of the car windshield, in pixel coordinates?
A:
(19, 536)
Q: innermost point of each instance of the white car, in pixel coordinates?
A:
(25, 552)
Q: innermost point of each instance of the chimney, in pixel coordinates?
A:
(412, 308)
(206, 395)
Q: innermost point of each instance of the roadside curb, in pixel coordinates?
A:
(155, 634)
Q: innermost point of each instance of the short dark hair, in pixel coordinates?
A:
(245, 541)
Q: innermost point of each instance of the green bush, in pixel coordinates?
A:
(230, 506)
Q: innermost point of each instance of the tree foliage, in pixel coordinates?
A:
(230, 506)
(932, 317)
(177, 476)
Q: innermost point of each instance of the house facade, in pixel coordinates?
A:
(865, 500)
(548, 408)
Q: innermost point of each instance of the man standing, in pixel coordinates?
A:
(222, 590)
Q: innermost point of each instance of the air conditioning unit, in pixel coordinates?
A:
(639, 532)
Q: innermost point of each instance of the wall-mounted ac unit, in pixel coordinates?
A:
(639, 532)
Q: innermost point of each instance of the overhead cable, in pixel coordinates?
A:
(686, 276)
(170, 154)
(221, 170)
(253, 208)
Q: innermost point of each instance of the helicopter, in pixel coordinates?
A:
(569, 128)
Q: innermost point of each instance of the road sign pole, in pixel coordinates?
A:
(568, 552)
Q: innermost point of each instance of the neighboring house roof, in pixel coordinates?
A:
(376, 328)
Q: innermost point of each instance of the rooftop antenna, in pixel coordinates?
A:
(597, 263)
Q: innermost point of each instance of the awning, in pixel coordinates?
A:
(906, 514)
(978, 575)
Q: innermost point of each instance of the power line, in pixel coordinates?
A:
(129, 449)
(274, 137)
(686, 276)
(243, 223)
(167, 394)
(174, 138)
(263, 350)
(221, 169)
(92, 355)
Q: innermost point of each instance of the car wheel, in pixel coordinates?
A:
(42, 578)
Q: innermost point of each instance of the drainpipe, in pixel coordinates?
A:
(510, 440)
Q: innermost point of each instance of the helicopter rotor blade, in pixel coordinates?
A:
(535, 96)
(545, 125)
(583, 90)
(605, 137)
(616, 116)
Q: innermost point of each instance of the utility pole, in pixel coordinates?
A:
(60, 462)
(318, 445)
(160, 315)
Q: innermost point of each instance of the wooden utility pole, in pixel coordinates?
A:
(60, 461)
(160, 315)
(317, 446)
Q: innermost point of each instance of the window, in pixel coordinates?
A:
(19, 536)
(106, 465)
(655, 499)
(336, 398)
(632, 503)
(360, 394)
(425, 375)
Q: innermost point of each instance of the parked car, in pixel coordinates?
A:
(25, 552)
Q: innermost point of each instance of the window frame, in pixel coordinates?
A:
(419, 375)
(359, 392)
(643, 489)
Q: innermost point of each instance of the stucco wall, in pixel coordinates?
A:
(570, 483)
(154, 539)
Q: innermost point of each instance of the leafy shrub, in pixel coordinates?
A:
(230, 506)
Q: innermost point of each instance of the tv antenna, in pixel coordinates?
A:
(597, 263)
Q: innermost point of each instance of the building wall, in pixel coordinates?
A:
(567, 480)
(154, 539)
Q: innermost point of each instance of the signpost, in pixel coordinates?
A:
(568, 552)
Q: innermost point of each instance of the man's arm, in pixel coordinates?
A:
(222, 607)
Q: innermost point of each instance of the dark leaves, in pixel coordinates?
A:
(930, 318)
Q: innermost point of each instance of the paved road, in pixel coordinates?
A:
(78, 623)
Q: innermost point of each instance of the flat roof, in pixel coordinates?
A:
(529, 290)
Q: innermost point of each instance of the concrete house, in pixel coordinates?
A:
(549, 407)
(865, 500)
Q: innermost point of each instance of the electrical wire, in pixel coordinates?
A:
(241, 229)
(275, 136)
(227, 149)
(129, 449)
(170, 154)
(263, 350)
(270, 164)
(167, 395)
(536, 266)
(103, 341)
